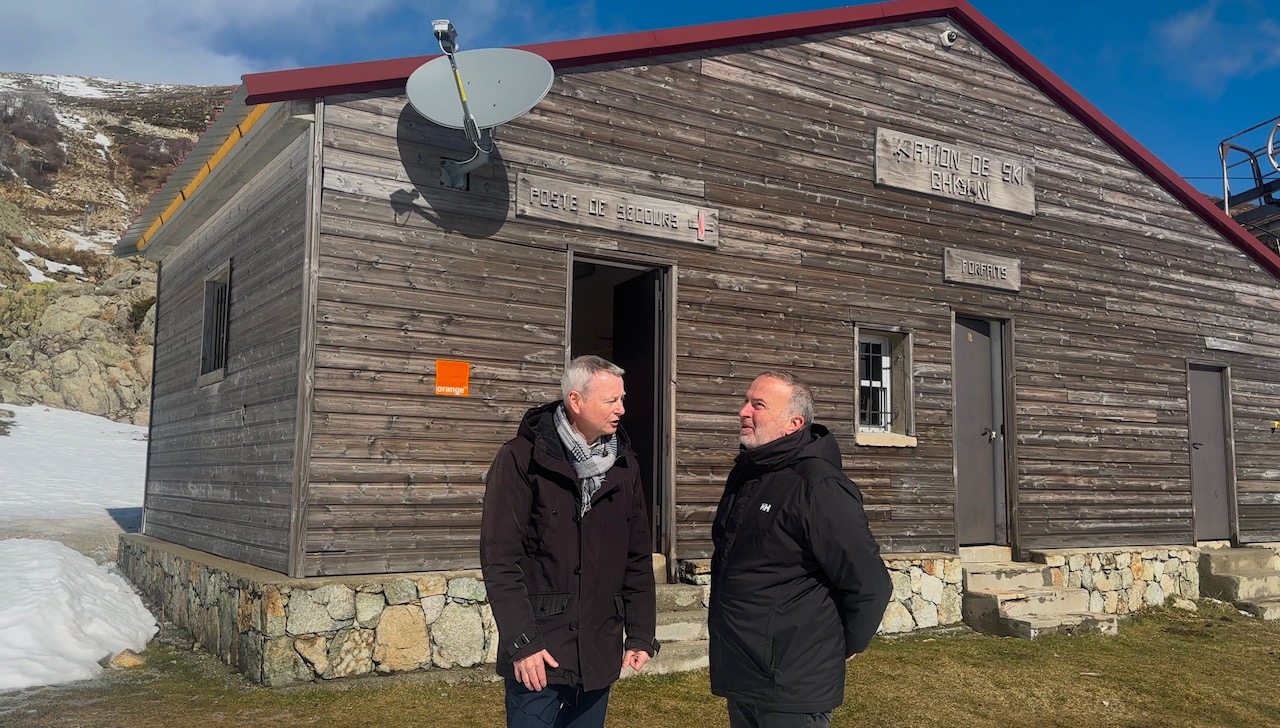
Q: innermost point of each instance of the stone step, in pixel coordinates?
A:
(1242, 585)
(995, 576)
(682, 626)
(1268, 609)
(1228, 561)
(1034, 626)
(1032, 600)
(677, 597)
(675, 657)
(985, 553)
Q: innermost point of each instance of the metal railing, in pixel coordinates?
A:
(1254, 155)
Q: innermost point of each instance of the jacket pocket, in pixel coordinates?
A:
(545, 605)
(620, 605)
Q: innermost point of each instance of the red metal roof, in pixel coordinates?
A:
(379, 75)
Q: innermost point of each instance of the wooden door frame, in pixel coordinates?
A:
(666, 359)
(1228, 423)
(1006, 322)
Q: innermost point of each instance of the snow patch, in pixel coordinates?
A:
(71, 86)
(71, 121)
(70, 464)
(60, 613)
(53, 267)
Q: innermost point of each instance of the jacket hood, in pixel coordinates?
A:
(811, 441)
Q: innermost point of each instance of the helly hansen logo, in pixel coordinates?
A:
(765, 507)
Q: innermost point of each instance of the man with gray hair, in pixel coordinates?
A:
(797, 583)
(564, 545)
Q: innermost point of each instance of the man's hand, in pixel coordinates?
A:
(850, 657)
(635, 659)
(531, 671)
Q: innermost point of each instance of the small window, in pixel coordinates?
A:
(217, 319)
(875, 377)
(885, 416)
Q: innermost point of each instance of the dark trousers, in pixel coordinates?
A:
(555, 706)
(742, 715)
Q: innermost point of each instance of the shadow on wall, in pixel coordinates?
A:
(477, 212)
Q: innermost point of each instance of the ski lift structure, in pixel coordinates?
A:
(1254, 155)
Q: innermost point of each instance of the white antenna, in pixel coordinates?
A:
(501, 83)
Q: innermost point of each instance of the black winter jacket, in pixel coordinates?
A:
(559, 582)
(797, 583)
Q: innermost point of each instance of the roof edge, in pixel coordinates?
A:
(379, 75)
(388, 74)
(1118, 139)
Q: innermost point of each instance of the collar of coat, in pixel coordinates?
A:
(539, 427)
(809, 441)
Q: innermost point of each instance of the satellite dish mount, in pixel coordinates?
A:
(503, 84)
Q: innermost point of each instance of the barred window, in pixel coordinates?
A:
(217, 320)
(885, 416)
(875, 393)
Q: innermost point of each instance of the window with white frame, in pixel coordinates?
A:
(875, 377)
(885, 415)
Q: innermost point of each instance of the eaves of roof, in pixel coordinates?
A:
(321, 81)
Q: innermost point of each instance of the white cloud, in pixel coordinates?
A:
(1210, 46)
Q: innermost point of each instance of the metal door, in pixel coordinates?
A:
(979, 432)
(1210, 476)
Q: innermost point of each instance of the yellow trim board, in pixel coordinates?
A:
(237, 134)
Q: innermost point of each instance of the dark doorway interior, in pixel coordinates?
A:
(617, 313)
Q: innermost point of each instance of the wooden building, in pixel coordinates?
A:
(1023, 327)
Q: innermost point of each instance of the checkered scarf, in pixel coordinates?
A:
(590, 462)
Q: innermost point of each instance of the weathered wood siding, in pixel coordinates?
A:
(221, 458)
(1120, 285)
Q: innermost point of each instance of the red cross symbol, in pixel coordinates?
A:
(702, 225)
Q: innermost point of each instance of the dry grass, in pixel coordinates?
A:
(1167, 668)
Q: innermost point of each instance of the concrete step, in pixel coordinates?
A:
(1030, 600)
(996, 576)
(1242, 585)
(1034, 626)
(677, 597)
(1228, 561)
(682, 626)
(675, 657)
(1268, 609)
(985, 553)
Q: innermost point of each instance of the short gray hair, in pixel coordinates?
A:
(801, 401)
(582, 371)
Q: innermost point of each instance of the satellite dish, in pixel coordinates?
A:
(476, 91)
(500, 84)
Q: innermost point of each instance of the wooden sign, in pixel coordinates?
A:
(552, 199)
(955, 171)
(453, 378)
(980, 269)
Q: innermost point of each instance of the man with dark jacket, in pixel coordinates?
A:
(564, 544)
(797, 583)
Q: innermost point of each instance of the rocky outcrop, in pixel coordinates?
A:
(75, 323)
(81, 346)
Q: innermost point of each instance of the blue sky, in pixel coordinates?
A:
(1178, 75)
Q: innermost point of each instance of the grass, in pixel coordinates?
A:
(1166, 668)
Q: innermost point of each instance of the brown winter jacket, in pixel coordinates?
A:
(559, 582)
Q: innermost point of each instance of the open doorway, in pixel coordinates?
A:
(618, 311)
